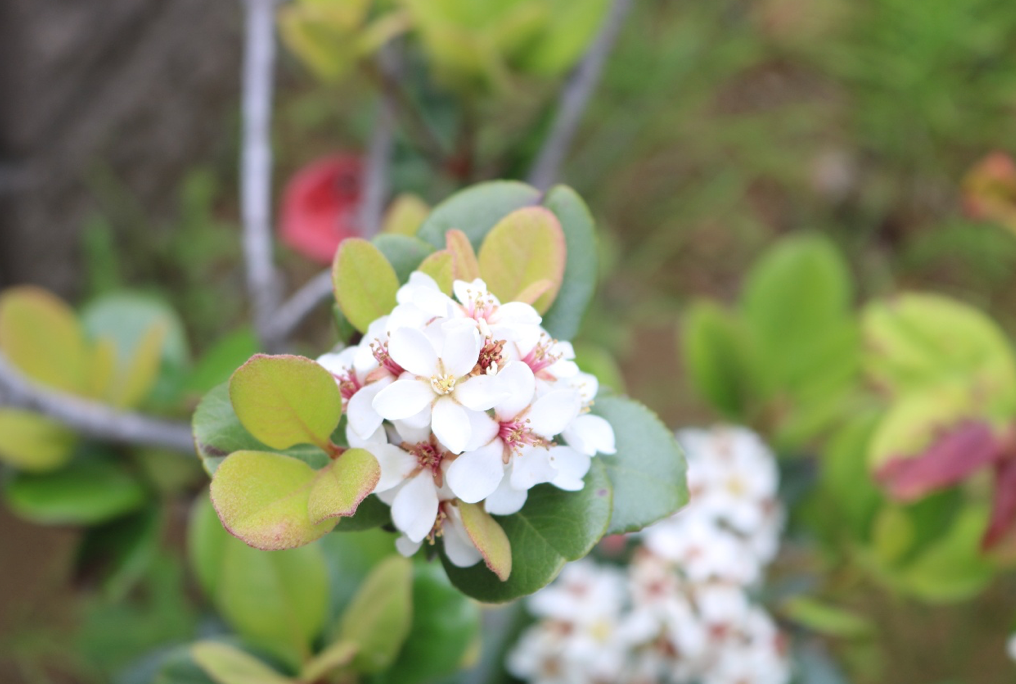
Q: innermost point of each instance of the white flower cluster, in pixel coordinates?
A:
(465, 399)
(680, 612)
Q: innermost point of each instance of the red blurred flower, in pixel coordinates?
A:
(989, 190)
(320, 207)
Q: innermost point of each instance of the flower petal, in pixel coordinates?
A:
(403, 398)
(590, 435)
(414, 509)
(461, 349)
(451, 425)
(506, 499)
(518, 314)
(480, 392)
(553, 411)
(475, 475)
(406, 546)
(458, 546)
(396, 465)
(380, 436)
(411, 349)
(516, 379)
(482, 427)
(408, 431)
(532, 466)
(363, 419)
(571, 466)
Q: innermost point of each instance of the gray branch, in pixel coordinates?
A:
(575, 97)
(256, 165)
(379, 151)
(291, 314)
(91, 418)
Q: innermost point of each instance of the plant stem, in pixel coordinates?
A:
(575, 97)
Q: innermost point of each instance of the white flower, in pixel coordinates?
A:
(1011, 646)
(522, 430)
(495, 320)
(437, 386)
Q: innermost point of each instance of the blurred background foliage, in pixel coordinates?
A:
(731, 143)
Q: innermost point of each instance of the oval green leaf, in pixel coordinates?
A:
(476, 209)
(524, 247)
(464, 264)
(379, 617)
(218, 433)
(365, 282)
(648, 470)
(32, 442)
(286, 400)
(228, 665)
(404, 253)
(489, 539)
(86, 492)
(262, 499)
(340, 486)
(554, 527)
(440, 267)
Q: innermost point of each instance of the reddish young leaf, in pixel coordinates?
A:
(1003, 513)
(949, 460)
(320, 207)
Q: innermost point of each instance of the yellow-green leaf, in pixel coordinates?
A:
(286, 400)
(33, 443)
(464, 263)
(441, 267)
(228, 665)
(341, 485)
(405, 215)
(489, 539)
(365, 283)
(41, 336)
(262, 498)
(339, 654)
(141, 372)
(526, 246)
(380, 615)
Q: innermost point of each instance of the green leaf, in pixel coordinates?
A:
(476, 209)
(148, 337)
(350, 558)
(488, 538)
(845, 486)
(365, 283)
(228, 665)
(464, 264)
(404, 253)
(581, 270)
(340, 486)
(218, 433)
(33, 443)
(286, 400)
(716, 359)
(405, 215)
(445, 624)
(594, 359)
(918, 341)
(336, 656)
(379, 617)
(262, 498)
(120, 552)
(440, 267)
(41, 337)
(554, 527)
(206, 544)
(276, 600)
(88, 491)
(524, 247)
(826, 619)
(647, 472)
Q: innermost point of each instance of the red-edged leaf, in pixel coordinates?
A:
(1003, 513)
(489, 539)
(949, 460)
(464, 263)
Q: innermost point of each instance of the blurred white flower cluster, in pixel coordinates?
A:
(681, 611)
(465, 399)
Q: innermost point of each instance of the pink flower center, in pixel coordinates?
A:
(380, 351)
(428, 457)
(516, 434)
(348, 385)
(539, 358)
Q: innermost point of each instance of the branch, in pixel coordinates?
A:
(379, 151)
(91, 418)
(291, 314)
(575, 97)
(256, 164)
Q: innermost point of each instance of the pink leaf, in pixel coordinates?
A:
(949, 460)
(1003, 513)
